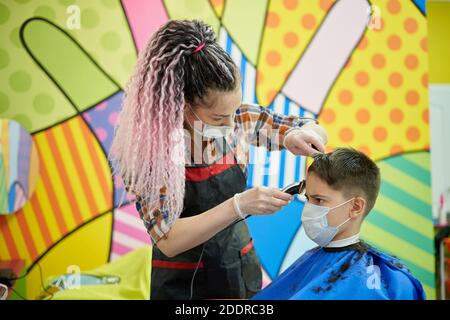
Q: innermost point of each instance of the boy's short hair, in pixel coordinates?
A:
(349, 171)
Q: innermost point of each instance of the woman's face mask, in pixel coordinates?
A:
(211, 131)
(315, 223)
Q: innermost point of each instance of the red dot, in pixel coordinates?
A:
(425, 116)
(363, 116)
(273, 20)
(348, 63)
(273, 58)
(345, 97)
(290, 39)
(411, 61)
(410, 25)
(364, 149)
(259, 77)
(290, 4)
(396, 115)
(325, 5)
(346, 134)
(394, 42)
(363, 43)
(396, 79)
(379, 97)
(308, 21)
(424, 44)
(378, 61)
(271, 95)
(327, 116)
(396, 149)
(329, 148)
(394, 6)
(362, 78)
(413, 134)
(412, 97)
(425, 80)
(380, 134)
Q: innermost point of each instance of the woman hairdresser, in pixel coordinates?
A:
(179, 147)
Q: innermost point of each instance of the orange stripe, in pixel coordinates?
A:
(26, 234)
(4, 228)
(52, 197)
(97, 165)
(76, 210)
(37, 209)
(67, 131)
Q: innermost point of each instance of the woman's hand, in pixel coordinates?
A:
(262, 200)
(304, 140)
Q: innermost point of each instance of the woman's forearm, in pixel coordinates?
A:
(187, 233)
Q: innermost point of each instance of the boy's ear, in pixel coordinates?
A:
(358, 208)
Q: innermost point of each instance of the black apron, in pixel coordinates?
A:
(229, 267)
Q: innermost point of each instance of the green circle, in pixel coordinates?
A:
(4, 102)
(24, 121)
(45, 12)
(4, 58)
(110, 3)
(15, 38)
(43, 103)
(128, 61)
(110, 40)
(89, 18)
(20, 81)
(4, 13)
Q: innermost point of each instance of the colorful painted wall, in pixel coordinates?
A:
(364, 79)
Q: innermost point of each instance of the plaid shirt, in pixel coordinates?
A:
(254, 125)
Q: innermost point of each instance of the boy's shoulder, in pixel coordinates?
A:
(392, 269)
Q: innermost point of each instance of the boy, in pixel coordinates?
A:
(341, 189)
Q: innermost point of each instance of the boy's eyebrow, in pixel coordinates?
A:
(316, 196)
(221, 115)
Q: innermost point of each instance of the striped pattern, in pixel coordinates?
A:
(276, 168)
(401, 222)
(74, 186)
(129, 232)
(18, 172)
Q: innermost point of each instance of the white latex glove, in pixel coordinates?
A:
(299, 141)
(260, 201)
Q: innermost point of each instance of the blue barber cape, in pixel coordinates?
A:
(355, 272)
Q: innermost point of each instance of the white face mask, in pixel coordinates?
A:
(315, 223)
(211, 131)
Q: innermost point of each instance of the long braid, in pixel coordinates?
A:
(148, 146)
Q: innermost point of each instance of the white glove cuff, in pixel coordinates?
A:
(236, 207)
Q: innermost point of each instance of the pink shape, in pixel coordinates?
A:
(120, 249)
(130, 209)
(112, 118)
(101, 134)
(20, 198)
(118, 183)
(313, 77)
(87, 116)
(101, 106)
(144, 18)
(138, 234)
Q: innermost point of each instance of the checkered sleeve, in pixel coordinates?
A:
(263, 127)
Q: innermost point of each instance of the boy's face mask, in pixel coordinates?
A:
(314, 220)
(211, 131)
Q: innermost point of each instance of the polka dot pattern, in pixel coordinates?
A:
(289, 26)
(26, 93)
(379, 102)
